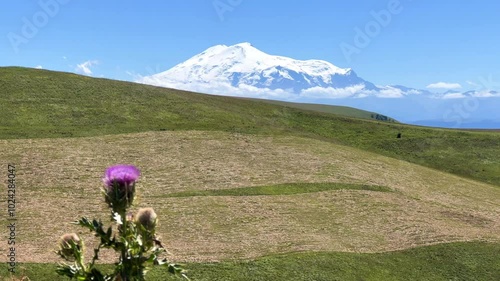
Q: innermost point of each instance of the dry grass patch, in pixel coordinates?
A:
(59, 181)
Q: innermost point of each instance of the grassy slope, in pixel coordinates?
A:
(41, 103)
(38, 104)
(46, 104)
(456, 261)
(256, 210)
(333, 109)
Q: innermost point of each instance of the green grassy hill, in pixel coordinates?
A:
(345, 111)
(250, 190)
(457, 261)
(41, 104)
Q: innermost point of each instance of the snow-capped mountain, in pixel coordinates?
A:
(243, 70)
(244, 66)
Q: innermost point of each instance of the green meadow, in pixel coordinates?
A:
(250, 189)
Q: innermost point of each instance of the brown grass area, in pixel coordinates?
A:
(59, 179)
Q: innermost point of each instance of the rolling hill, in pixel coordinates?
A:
(251, 190)
(41, 104)
(345, 111)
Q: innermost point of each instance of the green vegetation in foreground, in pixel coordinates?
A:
(279, 189)
(333, 109)
(46, 104)
(453, 261)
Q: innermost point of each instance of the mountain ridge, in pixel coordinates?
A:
(50, 104)
(243, 70)
(244, 65)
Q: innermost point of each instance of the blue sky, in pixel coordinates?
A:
(417, 43)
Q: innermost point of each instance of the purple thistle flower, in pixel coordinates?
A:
(122, 175)
(120, 187)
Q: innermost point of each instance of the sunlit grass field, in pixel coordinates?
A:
(248, 190)
(457, 261)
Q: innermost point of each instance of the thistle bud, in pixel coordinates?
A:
(147, 218)
(65, 248)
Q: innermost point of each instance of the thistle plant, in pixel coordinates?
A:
(134, 238)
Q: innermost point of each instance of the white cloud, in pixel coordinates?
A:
(39, 67)
(224, 88)
(444, 85)
(356, 91)
(390, 92)
(219, 88)
(486, 94)
(85, 67)
(332, 93)
(64, 58)
(453, 96)
(471, 94)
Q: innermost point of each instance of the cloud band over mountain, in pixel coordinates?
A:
(243, 70)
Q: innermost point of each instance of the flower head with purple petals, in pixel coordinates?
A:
(120, 186)
(123, 175)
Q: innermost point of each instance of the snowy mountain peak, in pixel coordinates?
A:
(243, 64)
(243, 70)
